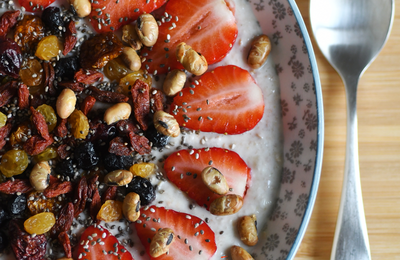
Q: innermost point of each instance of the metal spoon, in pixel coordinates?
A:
(350, 34)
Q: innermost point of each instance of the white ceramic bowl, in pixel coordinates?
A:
(303, 127)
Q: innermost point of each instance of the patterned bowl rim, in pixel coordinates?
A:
(320, 141)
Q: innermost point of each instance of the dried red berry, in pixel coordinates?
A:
(14, 186)
(74, 86)
(95, 205)
(57, 188)
(4, 133)
(70, 38)
(80, 196)
(7, 21)
(141, 102)
(139, 143)
(49, 76)
(109, 194)
(62, 151)
(40, 124)
(36, 144)
(23, 96)
(88, 76)
(107, 96)
(118, 147)
(64, 220)
(61, 129)
(126, 126)
(87, 104)
(63, 238)
(157, 100)
(7, 91)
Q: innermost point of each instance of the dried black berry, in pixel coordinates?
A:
(86, 156)
(143, 188)
(115, 162)
(3, 241)
(17, 204)
(4, 216)
(65, 168)
(159, 140)
(66, 68)
(53, 19)
(10, 58)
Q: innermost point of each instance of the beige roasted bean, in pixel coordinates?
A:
(131, 59)
(260, 49)
(161, 242)
(66, 102)
(118, 178)
(166, 124)
(174, 82)
(131, 206)
(147, 29)
(117, 112)
(226, 205)
(191, 60)
(247, 227)
(238, 253)
(40, 176)
(130, 37)
(82, 7)
(215, 180)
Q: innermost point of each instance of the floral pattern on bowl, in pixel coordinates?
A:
(302, 115)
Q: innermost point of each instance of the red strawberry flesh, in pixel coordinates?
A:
(116, 13)
(200, 239)
(35, 5)
(226, 101)
(97, 243)
(208, 26)
(184, 168)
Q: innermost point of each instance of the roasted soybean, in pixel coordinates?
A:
(238, 253)
(161, 242)
(147, 29)
(214, 180)
(247, 227)
(226, 205)
(191, 60)
(131, 206)
(118, 178)
(174, 82)
(166, 124)
(260, 49)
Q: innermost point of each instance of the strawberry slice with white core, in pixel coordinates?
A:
(194, 239)
(208, 26)
(226, 100)
(184, 169)
(97, 243)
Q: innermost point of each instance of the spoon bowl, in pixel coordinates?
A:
(350, 34)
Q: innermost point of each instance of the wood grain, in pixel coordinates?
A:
(379, 151)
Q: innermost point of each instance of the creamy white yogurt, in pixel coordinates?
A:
(260, 148)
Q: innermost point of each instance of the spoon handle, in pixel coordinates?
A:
(351, 237)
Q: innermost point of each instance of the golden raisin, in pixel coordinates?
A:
(40, 223)
(98, 50)
(20, 135)
(110, 211)
(49, 115)
(116, 69)
(28, 32)
(38, 203)
(79, 124)
(14, 162)
(48, 154)
(48, 47)
(32, 74)
(143, 170)
(3, 119)
(125, 84)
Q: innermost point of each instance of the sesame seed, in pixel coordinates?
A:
(188, 217)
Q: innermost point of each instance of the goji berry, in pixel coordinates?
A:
(36, 144)
(141, 102)
(49, 76)
(7, 92)
(107, 96)
(74, 86)
(139, 143)
(4, 133)
(101, 131)
(70, 37)
(64, 220)
(57, 188)
(37, 100)
(88, 76)
(40, 124)
(126, 126)
(157, 100)
(109, 194)
(16, 185)
(87, 104)
(61, 130)
(118, 147)
(7, 21)
(24, 245)
(92, 185)
(23, 96)
(95, 205)
(80, 196)
(63, 238)
(62, 151)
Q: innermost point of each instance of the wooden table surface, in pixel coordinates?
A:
(379, 151)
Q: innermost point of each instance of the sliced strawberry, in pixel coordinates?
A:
(207, 25)
(226, 101)
(184, 167)
(96, 244)
(112, 14)
(35, 5)
(193, 240)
